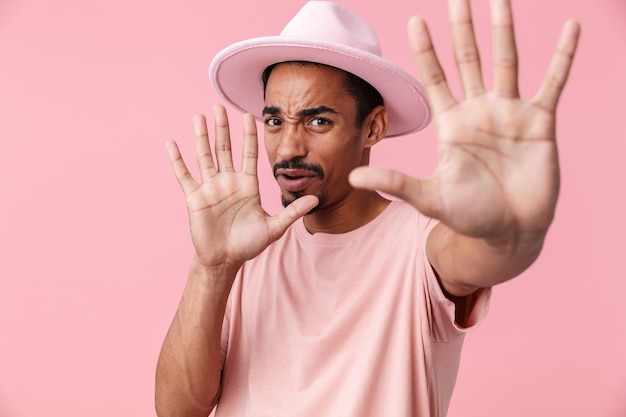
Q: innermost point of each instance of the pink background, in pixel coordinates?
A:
(94, 244)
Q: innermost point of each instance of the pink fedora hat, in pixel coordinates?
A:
(326, 33)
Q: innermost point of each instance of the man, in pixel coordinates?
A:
(347, 304)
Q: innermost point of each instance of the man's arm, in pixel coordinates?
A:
(465, 264)
(496, 185)
(189, 366)
(228, 227)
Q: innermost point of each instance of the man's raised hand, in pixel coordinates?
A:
(228, 224)
(498, 165)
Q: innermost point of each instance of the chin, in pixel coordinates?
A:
(288, 200)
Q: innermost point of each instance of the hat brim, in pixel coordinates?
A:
(236, 72)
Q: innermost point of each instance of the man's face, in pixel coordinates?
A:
(311, 136)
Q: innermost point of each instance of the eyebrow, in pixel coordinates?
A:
(313, 111)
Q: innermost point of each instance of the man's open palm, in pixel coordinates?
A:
(498, 162)
(228, 224)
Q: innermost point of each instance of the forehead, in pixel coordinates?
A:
(305, 81)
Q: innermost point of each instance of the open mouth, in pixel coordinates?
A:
(293, 181)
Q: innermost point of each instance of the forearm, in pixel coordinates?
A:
(189, 366)
(465, 264)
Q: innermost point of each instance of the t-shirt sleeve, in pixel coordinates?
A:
(441, 309)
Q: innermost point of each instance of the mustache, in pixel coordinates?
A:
(299, 164)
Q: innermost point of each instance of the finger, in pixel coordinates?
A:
(465, 48)
(184, 178)
(250, 145)
(548, 95)
(223, 149)
(428, 66)
(203, 148)
(420, 193)
(298, 208)
(504, 50)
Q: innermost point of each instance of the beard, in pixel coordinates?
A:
(321, 197)
(297, 163)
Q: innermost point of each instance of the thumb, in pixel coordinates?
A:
(298, 208)
(418, 192)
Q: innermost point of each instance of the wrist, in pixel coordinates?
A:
(220, 275)
(217, 268)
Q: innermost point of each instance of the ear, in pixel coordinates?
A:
(376, 125)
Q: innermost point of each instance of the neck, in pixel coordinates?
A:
(347, 215)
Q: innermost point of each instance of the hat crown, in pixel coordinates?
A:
(329, 34)
(326, 21)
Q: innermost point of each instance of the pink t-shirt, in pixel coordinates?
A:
(345, 325)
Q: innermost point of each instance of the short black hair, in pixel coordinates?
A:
(364, 94)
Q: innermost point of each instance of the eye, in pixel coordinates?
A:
(273, 121)
(320, 121)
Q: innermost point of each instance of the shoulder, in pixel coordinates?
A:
(405, 218)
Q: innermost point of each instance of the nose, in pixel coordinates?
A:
(292, 144)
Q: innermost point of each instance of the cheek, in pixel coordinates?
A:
(342, 162)
(350, 155)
